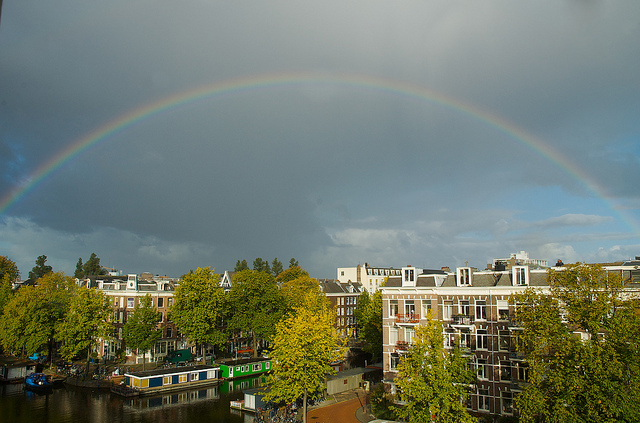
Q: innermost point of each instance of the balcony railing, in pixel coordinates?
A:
(402, 345)
(410, 318)
(462, 320)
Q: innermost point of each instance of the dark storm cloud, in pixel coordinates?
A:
(330, 174)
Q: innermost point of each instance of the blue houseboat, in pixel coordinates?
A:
(161, 380)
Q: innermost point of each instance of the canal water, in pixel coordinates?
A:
(76, 405)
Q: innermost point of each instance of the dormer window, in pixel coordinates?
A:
(408, 276)
(464, 276)
(520, 275)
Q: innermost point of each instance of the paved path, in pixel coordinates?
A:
(344, 407)
(341, 412)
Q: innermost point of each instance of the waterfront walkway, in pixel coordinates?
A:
(345, 407)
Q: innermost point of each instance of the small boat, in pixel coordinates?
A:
(37, 381)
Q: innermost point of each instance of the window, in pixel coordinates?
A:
(256, 367)
(449, 339)
(409, 308)
(408, 335)
(130, 302)
(465, 340)
(481, 310)
(342, 273)
(520, 275)
(393, 363)
(169, 332)
(483, 399)
(393, 308)
(521, 371)
(465, 308)
(160, 302)
(464, 276)
(182, 378)
(505, 370)
(482, 340)
(426, 307)
(503, 310)
(507, 402)
(393, 336)
(504, 340)
(447, 310)
(170, 302)
(482, 369)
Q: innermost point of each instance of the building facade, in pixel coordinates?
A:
(344, 299)
(474, 307)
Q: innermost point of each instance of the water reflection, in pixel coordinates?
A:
(79, 405)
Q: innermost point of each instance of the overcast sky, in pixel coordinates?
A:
(431, 133)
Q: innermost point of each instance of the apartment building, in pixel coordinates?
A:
(125, 294)
(371, 278)
(475, 311)
(344, 299)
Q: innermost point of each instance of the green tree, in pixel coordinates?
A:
(581, 340)
(241, 265)
(93, 267)
(85, 323)
(141, 331)
(305, 345)
(30, 318)
(79, 273)
(40, 269)
(256, 305)
(8, 269)
(260, 265)
(368, 315)
(198, 308)
(293, 262)
(8, 275)
(431, 380)
(276, 267)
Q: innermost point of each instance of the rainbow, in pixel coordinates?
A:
(280, 80)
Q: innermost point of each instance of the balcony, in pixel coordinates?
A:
(462, 321)
(402, 345)
(407, 319)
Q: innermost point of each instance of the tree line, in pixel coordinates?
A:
(288, 310)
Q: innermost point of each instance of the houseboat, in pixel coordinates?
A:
(162, 380)
(13, 369)
(244, 368)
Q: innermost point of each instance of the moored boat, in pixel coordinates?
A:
(37, 381)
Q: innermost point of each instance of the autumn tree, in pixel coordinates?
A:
(198, 308)
(581, 340)
(295, 291)
(141, 331)
(433, 381)
(256, 305)
(305, 345)
(290, 274)
(88, 319)
(368, 315)
(40, 269)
